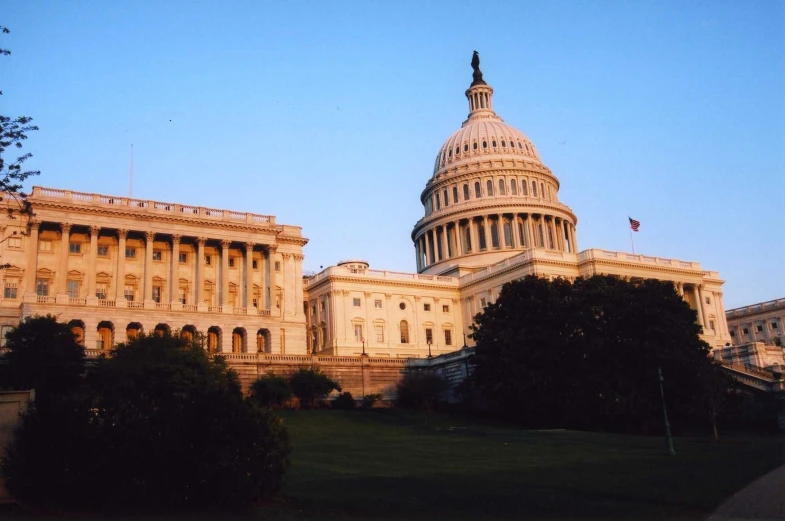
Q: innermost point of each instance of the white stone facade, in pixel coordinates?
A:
(761, 322)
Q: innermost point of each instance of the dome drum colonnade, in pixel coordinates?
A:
(489, 193)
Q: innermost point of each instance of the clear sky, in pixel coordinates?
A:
(329, 114)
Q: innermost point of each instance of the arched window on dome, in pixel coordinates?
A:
(493, 143)
(477, 192)
(474, 145)
(534, 188)
(495, 234)
(484, 144)
(502, 187)
(504, 144)
(524, 187)
(467, 238)
(519, 145)
(454, 195)
(513, 187)
(457, 150)
(438, 201)
(446, 199)
(466, 147)
(465, 192)
(449, 154)
(489, 188)
(542, 190)
(508, 234)
(404, 332)
(481, 237)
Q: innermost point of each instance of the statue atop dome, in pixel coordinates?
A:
(477, 74)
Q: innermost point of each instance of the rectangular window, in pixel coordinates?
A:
(774, 325)
(231, 262)
(447, 337)
(182, 296)
(711, 325)
(277, 266)
(426, 307)
(75, 247)
(103, 251)
(759, 328)
(445, 309)
(183, 258)
(207, 260)
(15, 243)
(157, 255)
(72, 288)
(157, 293)
(130, 253)
(45, 246)
(732, 333)
(358, 333)
(482, 302)
(256, 302)
(129, 293)
(10, 289)
(255, 265)
(745, 331)
(428, 335)
(356, 302)
(377, 304)
(42, 287)
(100, 291)
(313, 310)
(379, 333)
(708, 300)
(4, 330)
(321, 305)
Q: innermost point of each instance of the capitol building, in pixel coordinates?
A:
(114, 266)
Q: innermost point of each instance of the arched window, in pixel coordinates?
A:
(438, 202)
(494, 234)
(454, 195)
(489, 188)
(466, 147)
(477, 192)
(504, 144)
(484, 144)
(481, 237)
(404, 332)
(534, 188)
(449, 154)
(542, 190)
(540, 236)
(550, 238)
(508, 234)
(465, 192)
(474, 145)
(457, 150)
(467, 238)
(446, 199)
(493, 143)
(524, 188)
(502, 190)
(513, 187)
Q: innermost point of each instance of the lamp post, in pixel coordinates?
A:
(464, 341)
(429, 349)
(668, 436)
(363, 341)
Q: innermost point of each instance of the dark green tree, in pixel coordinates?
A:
(308, 385)
(585, 354)
(270, 391)
(421, 390)
(160, 424)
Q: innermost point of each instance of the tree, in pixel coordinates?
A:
(159, 424)
(310, 384)
(421, 390)
(270, 391)
(585, 354)
(13, 133)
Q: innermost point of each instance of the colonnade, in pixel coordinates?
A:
(116, 298)
(483, 233)
(698, 295)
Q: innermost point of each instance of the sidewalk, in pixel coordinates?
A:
(763, 499)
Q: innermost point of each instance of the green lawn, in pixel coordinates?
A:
(389, 464)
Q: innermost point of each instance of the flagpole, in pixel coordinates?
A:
(632, 242)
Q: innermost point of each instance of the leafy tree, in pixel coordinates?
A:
(585, 354)
(13, 133)
(158, 424)
(43, 355)
(421, 390)
(344, 401)
(308, 385)
(270, 391)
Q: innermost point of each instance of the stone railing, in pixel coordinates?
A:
(342, 271)
(147, 206)
(515, 260)
(756, 308)
(596, 254)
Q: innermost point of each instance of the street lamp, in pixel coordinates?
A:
(671, 452)
(464, 341)
(429, 349)
(363, 341)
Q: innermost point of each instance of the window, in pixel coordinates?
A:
(465, 192)
(447, 337)
(426, 307)
(72, 288)
(477, 192)
(481, 237)
(157, 255)
(377, 304)
(254, 265)
(42, 287)
(489, 188)
(379, 330)
(4, 330)
(182, 296)
(183, 258)
(493, 143)
(474, 146)
(524, 188)
(322, 305)
(404, 332)
(508, 234)
(128, 293)
(428, 335)
(708, 300)
(534, 189)
(157, 293)
(256, 303)
(277, 265)
(454, 194)
(494, 234)
(484, 144)
(774, 325)
(358, 333)
(445, 308)
(15, 243)
(466, 147)
(45, 246)
(402, 305)
(313, 310)
(103, 251)
(446, 199)
(482, 302)
(130, 253)
(502, 189)
(208, 260)
(759, 328)
(100, 291)
(513, 187)
(11, 287)
(438, 202)
(711, 325)
(745, 331)
(231, 262)
(75, 247)
(356, 302)
(732, 333)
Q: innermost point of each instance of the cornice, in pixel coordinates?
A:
(488, 171)
(387, 282)
(650, 267)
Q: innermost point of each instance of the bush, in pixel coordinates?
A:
(421, 390)
(344, 401)
(369, 400)
(159, 424)
(270, 391)
(310, 384)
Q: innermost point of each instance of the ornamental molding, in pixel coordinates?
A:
(386, 282)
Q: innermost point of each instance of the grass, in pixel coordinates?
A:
(389, 464)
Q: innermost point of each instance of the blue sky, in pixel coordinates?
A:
(329, 114)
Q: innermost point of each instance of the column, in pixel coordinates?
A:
(417, 253)
(456, 248)
(722, 320)
(200, 305)
(574, 238)
(698, 306)
(488, 242)
(32, 261)
(174, 272)
(445, 242)
(62, 265)
(533, 228)
(472, 224)
(249, 279)
(91, 263)
(148, 269)
(428, 260)
(270, 277)
(225, 307)
(119, 277)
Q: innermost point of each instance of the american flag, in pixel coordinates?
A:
(634, 224)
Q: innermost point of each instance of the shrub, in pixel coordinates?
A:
(344, 401)
(271, 391)
(159, 424)
(421, 390)
(369, 400)
(308, 385)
